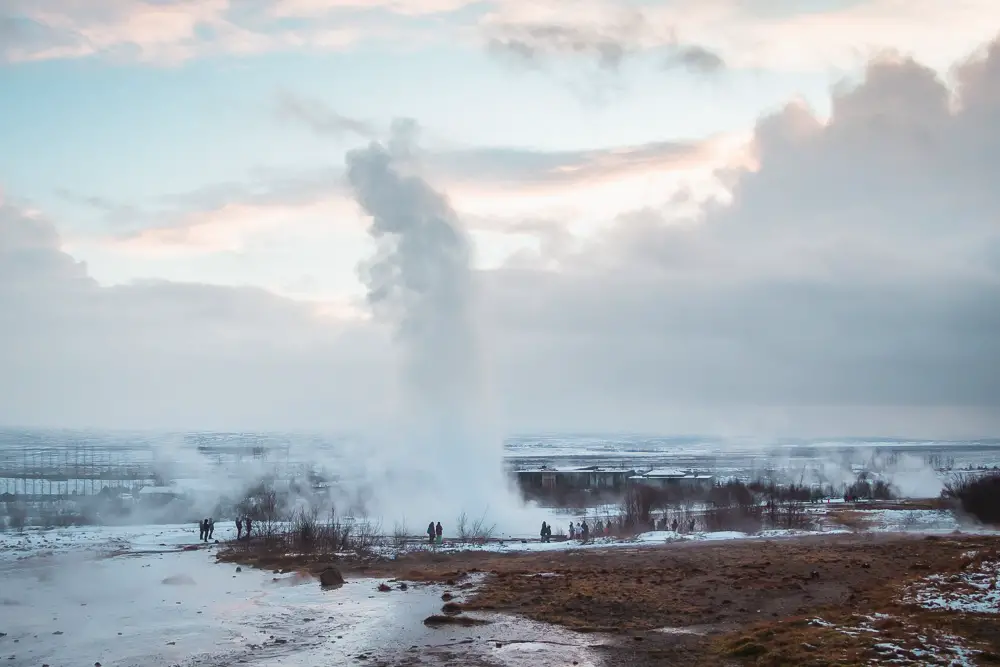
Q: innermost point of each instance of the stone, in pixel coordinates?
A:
(331, 576)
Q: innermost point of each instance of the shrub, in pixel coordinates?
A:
(477, 530)
(979, 496)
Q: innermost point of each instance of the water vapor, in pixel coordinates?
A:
(445, 458)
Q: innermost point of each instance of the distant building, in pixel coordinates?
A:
(667, 477)
(590, 478)
(158, 495)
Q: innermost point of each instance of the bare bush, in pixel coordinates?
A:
(262, 505)
(635, 511)
(367, 535)
(18, 517)
(400, 534)
(478, 530)
(978, 495)
(305, 529)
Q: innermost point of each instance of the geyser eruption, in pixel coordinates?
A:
(443, 460)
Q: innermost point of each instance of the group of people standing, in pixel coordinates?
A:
(240, 523)
(582, 530)
(546, 533)
(206, 528)
(578, 530)
(435, 533)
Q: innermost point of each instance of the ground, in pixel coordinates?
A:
(843, 599)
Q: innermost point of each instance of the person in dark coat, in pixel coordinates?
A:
(545, 532)
(431, 532)
(201, 530)
(211, 527)
(239, 528)
(439, 531)
(249, 526)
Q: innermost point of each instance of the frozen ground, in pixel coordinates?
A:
(974, 591)
(104, 539)
(181, 608)
(900, 643)
(161, 538)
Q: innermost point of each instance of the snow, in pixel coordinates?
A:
(643, 539)
(974, 591)
(919, 647)
(104, 539)
(889, 520)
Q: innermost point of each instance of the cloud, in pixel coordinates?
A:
(152, 32)
(320, 118)
(855, 265)
(496, 185)
(157, 354)
(744, 35)
(851, 283)
(697, 59)
(535, 42)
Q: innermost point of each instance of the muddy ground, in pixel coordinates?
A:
(822, 600)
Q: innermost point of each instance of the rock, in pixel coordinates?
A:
(439, 621)
(447, 596)
(451, 608)
(403, 586)
(384, 588)
(331, 576)
(814, 574)
(239, 569)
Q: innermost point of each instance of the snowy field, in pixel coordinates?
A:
(105, 540)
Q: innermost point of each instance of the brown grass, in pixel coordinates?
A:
(752, 600)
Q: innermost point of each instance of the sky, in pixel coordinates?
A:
(733, 217)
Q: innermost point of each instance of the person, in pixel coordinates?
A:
(211, 527)
(204, 530)
(673, 526)
(201, 530)
(600, 527)
(584, 530)
(572, 530)
(439, 531)
(249, 527)
(431, 532)
(545, 528)
(239, 528)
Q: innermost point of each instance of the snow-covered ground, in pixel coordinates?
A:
(155, 538)
(902, 643)
(180, 608)
(976, 590)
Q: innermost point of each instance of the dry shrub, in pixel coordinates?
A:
(477, 530)
(978, 495)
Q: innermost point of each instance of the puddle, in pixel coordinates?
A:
(698, 631)
(183, 609)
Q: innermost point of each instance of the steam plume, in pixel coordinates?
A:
(421, 283)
